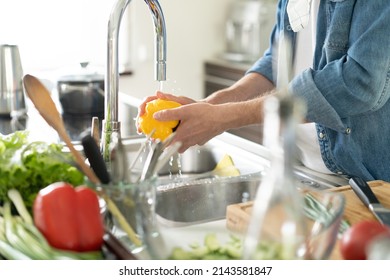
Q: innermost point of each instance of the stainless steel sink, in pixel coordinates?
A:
(188, 193)
(203, 200)
(187, 189)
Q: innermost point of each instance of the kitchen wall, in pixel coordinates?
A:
(56, 37)
(58, 34)
(51, 44)
(195, 32)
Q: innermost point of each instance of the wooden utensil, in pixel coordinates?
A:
(43, 102)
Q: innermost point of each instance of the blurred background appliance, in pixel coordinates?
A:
(248, 26)
(12, 100)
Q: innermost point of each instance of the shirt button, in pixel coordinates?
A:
(321, 135)
(348, 130)
(288, 27)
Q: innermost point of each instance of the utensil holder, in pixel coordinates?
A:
(137, 203)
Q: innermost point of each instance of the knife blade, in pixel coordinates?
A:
(367, 196)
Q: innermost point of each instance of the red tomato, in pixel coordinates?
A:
(69, 217)
(356, 239)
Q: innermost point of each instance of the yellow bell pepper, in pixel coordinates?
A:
(147, 123)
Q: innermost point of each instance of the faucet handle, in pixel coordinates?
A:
(95, 130)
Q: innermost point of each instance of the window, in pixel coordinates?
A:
(56, 33)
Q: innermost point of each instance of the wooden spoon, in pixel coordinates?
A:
(42, 100)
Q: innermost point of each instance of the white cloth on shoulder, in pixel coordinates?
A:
(299, 13)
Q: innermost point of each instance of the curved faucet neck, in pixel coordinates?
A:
(111, 122)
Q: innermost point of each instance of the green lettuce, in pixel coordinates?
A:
(30, 166)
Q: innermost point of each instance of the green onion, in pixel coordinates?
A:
(316, 211)
(21, 240)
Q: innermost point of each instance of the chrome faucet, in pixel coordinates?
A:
(111, 122)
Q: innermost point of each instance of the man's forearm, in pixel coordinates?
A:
(250, 86)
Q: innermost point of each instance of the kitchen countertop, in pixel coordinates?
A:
(75, 124)
(40, 131)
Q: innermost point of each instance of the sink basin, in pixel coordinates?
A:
(187, 191)
(203, 200)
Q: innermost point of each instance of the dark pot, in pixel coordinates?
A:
(82, 94)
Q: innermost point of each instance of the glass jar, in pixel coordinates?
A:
(130, 213)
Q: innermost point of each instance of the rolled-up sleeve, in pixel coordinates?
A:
(351, 72)
(350, 77)
(318, 108)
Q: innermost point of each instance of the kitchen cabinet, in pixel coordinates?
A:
(219, 74)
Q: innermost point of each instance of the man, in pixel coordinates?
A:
(346, 90)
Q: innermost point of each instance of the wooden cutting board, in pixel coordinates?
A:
(238, 215)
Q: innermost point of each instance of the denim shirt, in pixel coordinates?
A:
(347, 89)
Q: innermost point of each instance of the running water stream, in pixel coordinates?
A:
(175, 161)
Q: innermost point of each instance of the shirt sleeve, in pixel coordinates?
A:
(351, 73)
(351, 69)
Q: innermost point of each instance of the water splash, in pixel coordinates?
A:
(170, 86)
(161, 86)
(179, 165)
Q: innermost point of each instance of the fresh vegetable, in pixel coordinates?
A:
(212, 249)
(355, 241)
(21, 240)
(29, 166)
(69, 217)
(317, 211)
(226, 168)
(147, 123)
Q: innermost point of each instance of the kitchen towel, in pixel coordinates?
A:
(299, 13)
